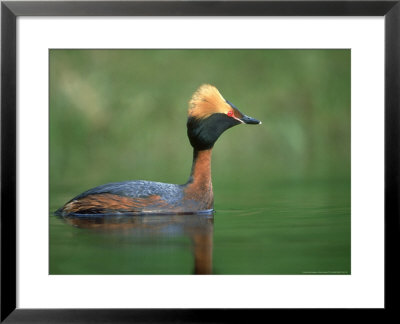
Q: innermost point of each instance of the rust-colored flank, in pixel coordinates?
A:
(109, 203)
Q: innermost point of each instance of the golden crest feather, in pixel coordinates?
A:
(206, 101)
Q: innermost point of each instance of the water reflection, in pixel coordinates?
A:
(199, 228)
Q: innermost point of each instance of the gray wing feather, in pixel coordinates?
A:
(171, 193)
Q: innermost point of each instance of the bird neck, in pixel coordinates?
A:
(198, 190)
(200, 176)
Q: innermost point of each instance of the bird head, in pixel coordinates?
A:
(209, 115)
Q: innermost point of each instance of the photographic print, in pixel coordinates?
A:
(200, 161)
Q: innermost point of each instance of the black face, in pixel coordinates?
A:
(203, 133)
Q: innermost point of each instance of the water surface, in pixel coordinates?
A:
(288, 228)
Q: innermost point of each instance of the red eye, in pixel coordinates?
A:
(230, 113)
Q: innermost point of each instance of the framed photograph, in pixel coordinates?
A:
(110, 111)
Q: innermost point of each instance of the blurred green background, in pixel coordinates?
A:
(120, 115)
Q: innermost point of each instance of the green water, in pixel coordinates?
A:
(284, 229)
(282, 189)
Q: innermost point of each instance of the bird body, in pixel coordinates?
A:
(209, 116)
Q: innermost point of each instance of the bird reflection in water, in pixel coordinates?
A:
(199, 228)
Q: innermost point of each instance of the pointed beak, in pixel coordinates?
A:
(249, 120)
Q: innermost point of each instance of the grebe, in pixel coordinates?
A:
(209, 115)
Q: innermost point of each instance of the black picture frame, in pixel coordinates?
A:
(10, 10)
